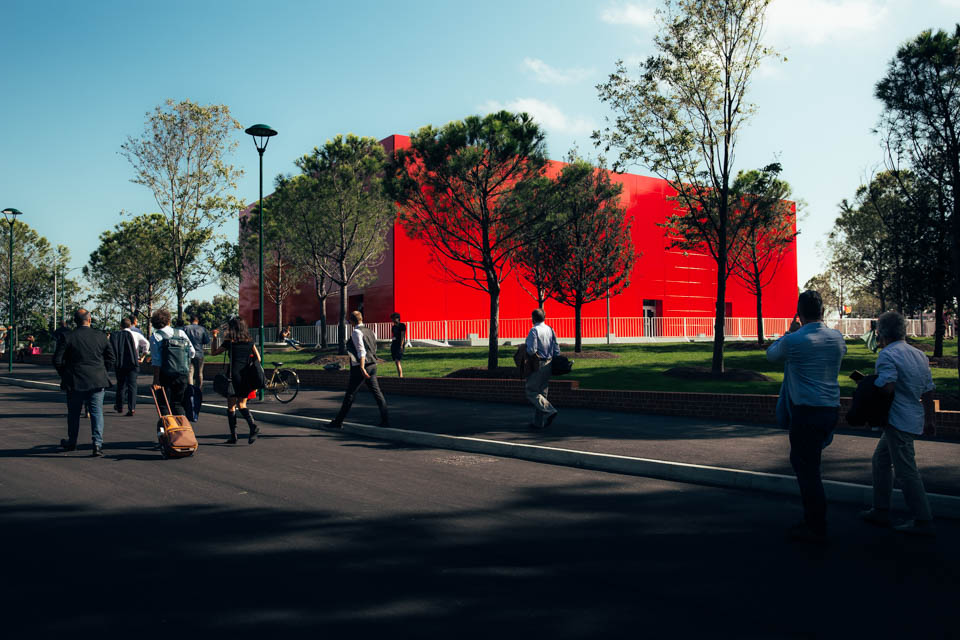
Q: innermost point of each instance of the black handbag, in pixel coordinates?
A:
(561, 365)
(223, 383)
(254, 375)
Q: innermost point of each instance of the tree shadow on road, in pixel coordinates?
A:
(571, 561)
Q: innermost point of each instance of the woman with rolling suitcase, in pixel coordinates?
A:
(241, 378)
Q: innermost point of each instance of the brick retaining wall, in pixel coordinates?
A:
(567, 393)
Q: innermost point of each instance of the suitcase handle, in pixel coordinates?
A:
(156, 402)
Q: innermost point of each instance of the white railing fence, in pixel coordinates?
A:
(591, 328)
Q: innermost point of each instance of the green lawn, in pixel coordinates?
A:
(639, 366)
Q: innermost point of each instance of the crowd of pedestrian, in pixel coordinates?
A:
(808, 405)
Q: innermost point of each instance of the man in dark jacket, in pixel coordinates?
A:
(124, 346)
(362, 348)
(83, 359)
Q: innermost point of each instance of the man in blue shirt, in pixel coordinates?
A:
(541, 348)
(199, 337)
(809, 404)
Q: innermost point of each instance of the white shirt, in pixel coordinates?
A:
(542, 341)
(141, 344)
(357, 338)
(909, 370)
(156, 357)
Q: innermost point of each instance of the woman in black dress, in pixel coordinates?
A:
(399, 341)
(242, 350)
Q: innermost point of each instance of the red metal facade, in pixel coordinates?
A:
(675, 283)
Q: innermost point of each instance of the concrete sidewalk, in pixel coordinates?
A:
(716, 443)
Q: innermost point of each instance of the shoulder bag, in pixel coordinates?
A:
(223, 382)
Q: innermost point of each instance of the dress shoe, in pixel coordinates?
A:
(97, 452)
(66, 446)
(917, 528)
(130, 413)
(803, 533)
(232, 439)
(876, 517)
(118, 409)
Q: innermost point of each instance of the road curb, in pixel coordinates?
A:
(943, 506)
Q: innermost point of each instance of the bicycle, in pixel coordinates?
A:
(283, 383)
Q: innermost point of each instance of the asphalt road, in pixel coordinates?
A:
(309, 531)
(719, 443)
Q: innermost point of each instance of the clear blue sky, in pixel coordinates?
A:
(78, 78)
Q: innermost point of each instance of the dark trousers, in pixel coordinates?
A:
(810, 428)
(126, 389)
(356, 379)
(176, 388)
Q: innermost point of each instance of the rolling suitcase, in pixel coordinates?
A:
(174, 433)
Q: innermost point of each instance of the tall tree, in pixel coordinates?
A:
(181, 156)
(769, 228)
(921, 123)
(282, 273)
(33, 263)
(591, 255)
(313, 242)
(227, 263)
(130, 267)
(536, 199)
(454, 184)
(347, 213)
(682, 116)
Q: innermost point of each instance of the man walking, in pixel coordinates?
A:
(905, 372)
(541, 348)
(199, 337)
(129, 347)
(170, 354)
(83, 359)
(362, 348)
(809, 404)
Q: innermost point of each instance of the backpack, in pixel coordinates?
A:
(175, 355)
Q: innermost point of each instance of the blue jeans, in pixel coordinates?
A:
(93, 401)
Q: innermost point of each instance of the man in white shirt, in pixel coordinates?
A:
(541, 348)
(905, 372)
(362, 347)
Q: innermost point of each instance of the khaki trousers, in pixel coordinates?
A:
(537, 387)
(895, 454)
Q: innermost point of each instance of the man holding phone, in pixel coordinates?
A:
(809, 404)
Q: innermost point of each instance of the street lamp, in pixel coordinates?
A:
(261, 134)
(11, 215)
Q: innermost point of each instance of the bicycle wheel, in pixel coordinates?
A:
(286, 385)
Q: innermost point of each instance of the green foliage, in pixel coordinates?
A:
(34, 261)
(281, 271)
(227, 262)
(181, 158)
(767, 224)
(340, 215)
(131, 268)
(454, 185)
(681, 118)
(212, 314)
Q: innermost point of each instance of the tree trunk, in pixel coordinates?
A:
(939, 300)
(180, 299)
(322, 297)
(493, 343)
(342, 326)
(577, 338)
(760, 336)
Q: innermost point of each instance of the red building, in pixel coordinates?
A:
(665, 283)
